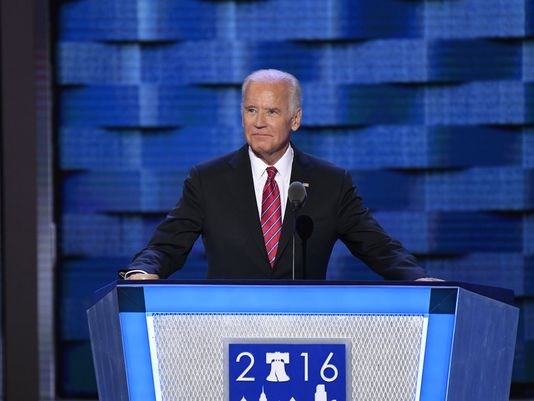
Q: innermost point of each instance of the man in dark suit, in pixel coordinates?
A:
(238, 203)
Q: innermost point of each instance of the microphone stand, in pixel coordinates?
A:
(293, 230)
(304, 246)
(293, 256)
(296, 197)
(302, 226)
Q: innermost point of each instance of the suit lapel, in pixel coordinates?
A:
(300, 171)
(243, 190)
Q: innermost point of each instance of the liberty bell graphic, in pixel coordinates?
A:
(277, 360)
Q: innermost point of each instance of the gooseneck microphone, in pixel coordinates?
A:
(297, 196)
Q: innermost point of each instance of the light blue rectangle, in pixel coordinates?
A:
(137, 356)
(286, 299)
(437, 357)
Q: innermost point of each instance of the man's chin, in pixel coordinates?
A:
(260, 151)
(260, 145)
(260, 140)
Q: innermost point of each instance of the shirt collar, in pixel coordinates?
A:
(283, 165)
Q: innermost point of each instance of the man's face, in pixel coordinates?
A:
(267, 119)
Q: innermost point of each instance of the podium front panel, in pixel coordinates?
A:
(294, 342)
(383, 352)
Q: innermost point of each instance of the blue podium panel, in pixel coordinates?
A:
(300, 341)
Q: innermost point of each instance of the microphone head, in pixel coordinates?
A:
(296, 194)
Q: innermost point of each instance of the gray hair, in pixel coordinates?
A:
(271, 75)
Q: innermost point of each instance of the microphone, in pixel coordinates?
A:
(296, 194)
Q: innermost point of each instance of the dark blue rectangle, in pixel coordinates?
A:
(283, 371)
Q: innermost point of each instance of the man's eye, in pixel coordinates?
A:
(250, 110)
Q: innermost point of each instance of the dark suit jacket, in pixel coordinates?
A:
(218, 202)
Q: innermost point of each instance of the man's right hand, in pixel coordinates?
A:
(142, 276)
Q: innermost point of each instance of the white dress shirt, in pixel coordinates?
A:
(283, 176)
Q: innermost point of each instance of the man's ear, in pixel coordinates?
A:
(295, 121)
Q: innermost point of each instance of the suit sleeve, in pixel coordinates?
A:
(367, 240)
(174, 237)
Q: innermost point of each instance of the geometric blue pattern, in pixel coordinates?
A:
(429, 104)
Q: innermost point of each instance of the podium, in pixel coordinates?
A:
(300, 341)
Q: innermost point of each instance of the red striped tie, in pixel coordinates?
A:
(271, 215)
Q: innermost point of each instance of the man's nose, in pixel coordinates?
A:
(260, 120)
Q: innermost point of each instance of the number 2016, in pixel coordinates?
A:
(328, 372)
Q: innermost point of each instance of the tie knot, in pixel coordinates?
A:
(271, 172)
